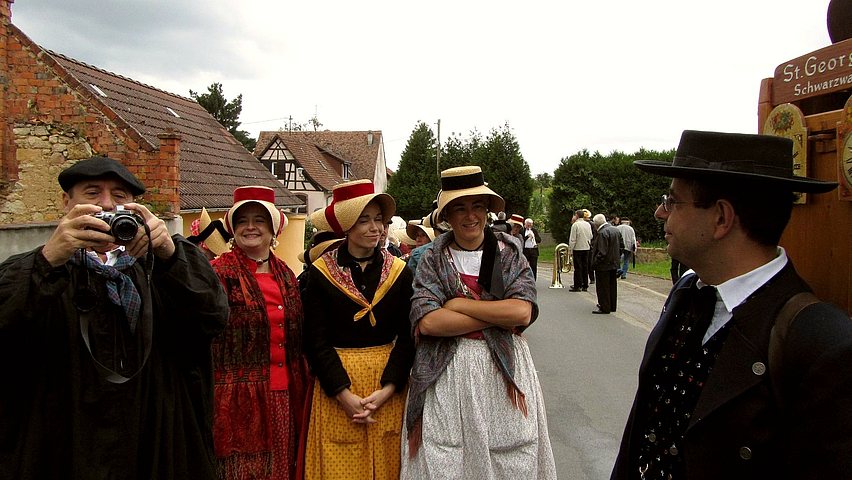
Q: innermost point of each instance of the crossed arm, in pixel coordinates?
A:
(459, 316)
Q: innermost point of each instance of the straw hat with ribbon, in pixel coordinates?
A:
(321, 242)
(404, 238)
(348, 201)
(516, 219)
(417, 225)
(263, 196)
(211, 234)
(465, 182)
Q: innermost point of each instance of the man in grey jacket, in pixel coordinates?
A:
(630, 245)
(579, 244)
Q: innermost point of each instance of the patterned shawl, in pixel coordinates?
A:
(436, 283)
(242, 351)
(341, 278)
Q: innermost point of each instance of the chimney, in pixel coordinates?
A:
(369, 139)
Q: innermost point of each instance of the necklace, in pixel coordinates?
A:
(260, 262)
(362, 259)
(468, 250)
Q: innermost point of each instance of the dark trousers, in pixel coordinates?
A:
(606, 287)
(532, 256)
(590, 270)
(581, 268)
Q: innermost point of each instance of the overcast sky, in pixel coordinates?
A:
(565, 75)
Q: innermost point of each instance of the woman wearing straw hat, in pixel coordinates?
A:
(357, 341)
(475, 408)
(209, 235)
(260, 373)
(422, 236)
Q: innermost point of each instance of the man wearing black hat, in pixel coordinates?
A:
(719, 397)
(105, 342)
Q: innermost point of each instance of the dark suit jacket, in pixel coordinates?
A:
(606, 248)
(737, 429)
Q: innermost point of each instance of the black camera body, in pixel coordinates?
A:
(123, 224)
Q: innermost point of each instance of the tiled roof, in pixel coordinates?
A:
(318, 167)
(352, 146)
(212, 162)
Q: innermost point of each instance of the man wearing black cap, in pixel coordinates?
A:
(720, 395)
(105, 348)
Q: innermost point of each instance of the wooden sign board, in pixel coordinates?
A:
(786, 120)
(826, 70)
(844, 153)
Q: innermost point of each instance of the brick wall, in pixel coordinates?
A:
(53, 121)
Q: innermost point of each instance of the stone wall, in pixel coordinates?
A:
(647, 255)
(42, 151)
(52, 121)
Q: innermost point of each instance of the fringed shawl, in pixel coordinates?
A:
(241, 355)
(436, 282)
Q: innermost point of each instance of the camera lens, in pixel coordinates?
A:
(124, 228)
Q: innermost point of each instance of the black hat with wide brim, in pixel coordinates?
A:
(97, 167)
(763, 159)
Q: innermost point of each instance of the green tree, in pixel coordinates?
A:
(505, 169)
(503, 166)
(416, 182)
(227, 113)
(611, 185)
(540, 201)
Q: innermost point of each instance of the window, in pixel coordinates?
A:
(347, 171)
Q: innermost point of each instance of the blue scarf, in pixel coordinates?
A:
(120, 288)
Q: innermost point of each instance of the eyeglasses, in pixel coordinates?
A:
(668, 203)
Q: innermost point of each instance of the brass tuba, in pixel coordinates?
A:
(562, 263)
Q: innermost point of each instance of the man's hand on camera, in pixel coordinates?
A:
(77, 229)
(161, 241)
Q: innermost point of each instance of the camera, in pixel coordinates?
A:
(123, 224)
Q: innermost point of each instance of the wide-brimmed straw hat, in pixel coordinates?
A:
(516, 219)
(465, 182)
(404, 238)
(348, 201)
(415, 225)
(762, 159)
(214, 237)
(263, 196)
(321, 242)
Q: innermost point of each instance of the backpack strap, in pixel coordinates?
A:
(778, 336)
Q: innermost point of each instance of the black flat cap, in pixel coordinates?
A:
(95, 167)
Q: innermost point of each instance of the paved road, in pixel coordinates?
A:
(587, 367)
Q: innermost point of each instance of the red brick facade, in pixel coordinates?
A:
(52, 121)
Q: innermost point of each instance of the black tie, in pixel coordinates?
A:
(705, 307)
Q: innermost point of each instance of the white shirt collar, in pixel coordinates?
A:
(111, 256)
(735, 291)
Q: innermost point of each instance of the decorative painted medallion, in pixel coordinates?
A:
(786, 120)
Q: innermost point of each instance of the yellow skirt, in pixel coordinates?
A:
(339, 449)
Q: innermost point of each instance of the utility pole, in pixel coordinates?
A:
(438, 153)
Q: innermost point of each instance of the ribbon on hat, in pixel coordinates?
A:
(462, 182)
(737, 166)
(341, 194)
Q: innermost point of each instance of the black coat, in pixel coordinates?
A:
(737, 430)
(59, 417)
(606, 248)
